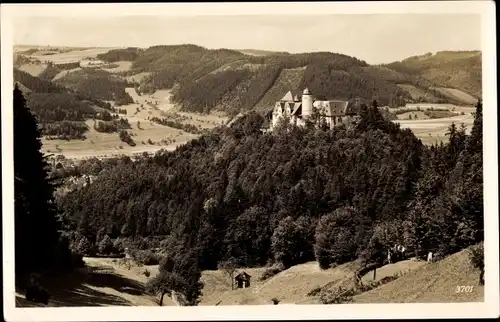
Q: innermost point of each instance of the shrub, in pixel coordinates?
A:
(106, 245)
(125, 137)
(344, 293)
(476, 256)
(83, 247)
(145, 257)
(146, 273)
(118, 245)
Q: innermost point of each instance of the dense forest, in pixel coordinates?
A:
(236, 193)
(97, 84)
(115, 55)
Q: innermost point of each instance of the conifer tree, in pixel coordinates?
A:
(36, 224)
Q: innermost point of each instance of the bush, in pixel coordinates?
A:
(125, 137)
(106, 245)
(345, 293)
(83, 246)
(145, 257)
(271, 271)
(118, 245)
(476, 256)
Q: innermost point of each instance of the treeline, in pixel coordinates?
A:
(97, 85)
(64, 130)
(115, 55)
(291, 196)
(125, 137)
(56, 107)
(190, 128)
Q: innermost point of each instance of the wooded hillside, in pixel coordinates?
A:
(339, 195)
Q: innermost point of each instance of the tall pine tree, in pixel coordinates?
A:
(36, 224)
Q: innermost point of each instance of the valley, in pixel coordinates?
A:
(168, 103)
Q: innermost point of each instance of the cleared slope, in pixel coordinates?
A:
(457, 94)
(431, 283)
(34, 69)
(418, 94)
(294, 284)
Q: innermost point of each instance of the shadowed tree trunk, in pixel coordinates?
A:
(162, 294)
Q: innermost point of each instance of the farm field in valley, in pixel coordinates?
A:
(434, 130)
(163, 137)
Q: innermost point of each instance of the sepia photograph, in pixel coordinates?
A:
(191, 160)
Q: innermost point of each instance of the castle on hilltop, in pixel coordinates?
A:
(300, 107)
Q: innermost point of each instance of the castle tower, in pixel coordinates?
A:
(307, 103)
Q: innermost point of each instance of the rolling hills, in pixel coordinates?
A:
(205, 79)
(239, 80)
(224, 82)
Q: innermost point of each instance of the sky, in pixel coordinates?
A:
(377, 39)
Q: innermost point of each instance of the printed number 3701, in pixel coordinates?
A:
(464, 289)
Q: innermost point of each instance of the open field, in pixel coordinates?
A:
(65, 72)
(34, 69)
(416, 115)
(70, 56)
(417, 93)
(450, 107)
(163, 137)
(122, 67)
(434, 130)
(457, 95)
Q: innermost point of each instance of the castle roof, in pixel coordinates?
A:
(332, 107)
(291, 96)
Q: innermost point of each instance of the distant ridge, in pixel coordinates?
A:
(257, 52)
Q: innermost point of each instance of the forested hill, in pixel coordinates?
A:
(291, 196)
(204, 79)
(455, 69)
